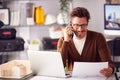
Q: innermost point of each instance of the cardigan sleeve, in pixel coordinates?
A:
(67, 50)
(104, 51)
(62, 48)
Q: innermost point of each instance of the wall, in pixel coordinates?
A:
(97, 18)
(96, 9)
(52, 7)
(38, 32)
(94, 6)
(31, 32)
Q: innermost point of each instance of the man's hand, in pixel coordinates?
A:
(67, 32)
(107, 72)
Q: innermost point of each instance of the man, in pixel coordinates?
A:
(83, 45)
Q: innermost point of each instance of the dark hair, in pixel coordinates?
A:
(80, 12)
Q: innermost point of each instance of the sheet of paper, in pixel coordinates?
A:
(88, 69)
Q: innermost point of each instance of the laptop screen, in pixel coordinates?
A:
(46, 63)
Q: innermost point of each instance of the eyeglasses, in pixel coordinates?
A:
(80, 25)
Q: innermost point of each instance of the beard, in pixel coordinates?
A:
(78, 33)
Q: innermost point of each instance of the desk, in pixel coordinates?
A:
(71, 78)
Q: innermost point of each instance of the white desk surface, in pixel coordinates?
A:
(71, 78)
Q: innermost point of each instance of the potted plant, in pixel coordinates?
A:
(63, 16)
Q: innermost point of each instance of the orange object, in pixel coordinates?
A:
(39, 15)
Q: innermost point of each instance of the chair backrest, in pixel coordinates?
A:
(116, 47)
(110, 45)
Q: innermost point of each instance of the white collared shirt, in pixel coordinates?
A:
(79, 43)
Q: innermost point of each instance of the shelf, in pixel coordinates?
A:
(18, 10)
(16, 26)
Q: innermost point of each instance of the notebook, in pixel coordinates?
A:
(47, 63)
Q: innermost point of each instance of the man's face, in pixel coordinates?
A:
(79, 26)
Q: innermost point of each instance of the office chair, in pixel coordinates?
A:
(114, 46)
(116, 52)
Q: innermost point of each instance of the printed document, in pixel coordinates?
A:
(88, 69)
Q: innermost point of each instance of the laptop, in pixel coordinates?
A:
(47, 63)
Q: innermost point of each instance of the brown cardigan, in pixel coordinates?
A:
(95, 50)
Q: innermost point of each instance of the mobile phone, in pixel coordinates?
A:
(72, 33)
